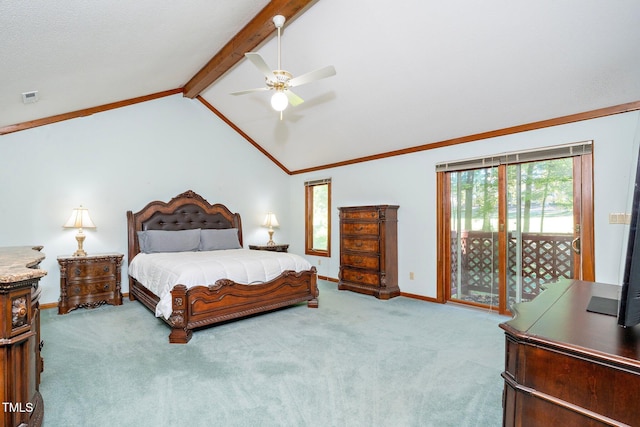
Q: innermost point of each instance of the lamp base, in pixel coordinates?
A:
(80, 238)
(271, 242)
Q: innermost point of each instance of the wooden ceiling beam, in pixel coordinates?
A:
(253, 34)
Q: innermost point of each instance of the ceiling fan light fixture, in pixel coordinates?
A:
(279, 101)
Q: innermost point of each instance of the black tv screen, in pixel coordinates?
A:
(629, 309)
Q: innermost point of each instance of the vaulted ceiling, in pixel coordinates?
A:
(409, 74)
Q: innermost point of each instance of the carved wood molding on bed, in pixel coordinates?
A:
(224, 300)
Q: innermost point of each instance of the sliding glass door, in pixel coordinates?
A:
(474, 239)
(510, 227)
(540, 226)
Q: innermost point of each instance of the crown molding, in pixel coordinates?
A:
(85, 112)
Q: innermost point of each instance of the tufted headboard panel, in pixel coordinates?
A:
(187, 217)
(184, 212)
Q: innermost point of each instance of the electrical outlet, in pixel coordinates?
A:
(319, 261)
(619, 218)
(411, 276)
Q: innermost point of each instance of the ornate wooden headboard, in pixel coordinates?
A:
(186, 211)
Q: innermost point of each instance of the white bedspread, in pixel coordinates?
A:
(159, 272)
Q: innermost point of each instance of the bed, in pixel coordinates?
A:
(196, 305)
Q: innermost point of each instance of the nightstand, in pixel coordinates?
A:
(89, 281)
(272, 248)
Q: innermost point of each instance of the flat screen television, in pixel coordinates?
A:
(627, 308)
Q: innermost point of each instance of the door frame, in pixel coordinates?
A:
(584, 263)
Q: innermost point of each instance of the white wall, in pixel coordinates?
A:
(120, 160)
(410, 181)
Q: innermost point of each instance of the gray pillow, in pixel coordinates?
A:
(213, 240)
(169, 241)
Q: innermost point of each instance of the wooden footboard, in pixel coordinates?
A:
(206, 305)
(202, 306)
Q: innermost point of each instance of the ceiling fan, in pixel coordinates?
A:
(281, 81)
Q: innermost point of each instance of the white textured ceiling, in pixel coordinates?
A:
(85, 53)
(409, 73)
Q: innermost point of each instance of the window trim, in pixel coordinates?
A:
(308, 239)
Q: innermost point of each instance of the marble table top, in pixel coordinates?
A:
(16, 263)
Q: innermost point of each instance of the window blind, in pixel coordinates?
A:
(317, 182)
(548, 153)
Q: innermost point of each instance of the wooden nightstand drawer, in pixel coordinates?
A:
(89, 281)
(361, 228)
(83, 289)
(95, 270)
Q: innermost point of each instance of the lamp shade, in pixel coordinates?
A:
(270, 220)
(79, 219)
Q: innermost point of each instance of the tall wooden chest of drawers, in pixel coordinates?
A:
(369, 250)
(89, 281)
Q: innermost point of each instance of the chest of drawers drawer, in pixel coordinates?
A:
(361, 245)
(360, 261)
(361, 228)
(358, 214)
(359, 276)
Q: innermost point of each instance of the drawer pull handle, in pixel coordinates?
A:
(76, 290)
(357, 261)
(359, 228)
(77, 271)
(106, 287)
(106, 268)
(358, 244)
(359, 277)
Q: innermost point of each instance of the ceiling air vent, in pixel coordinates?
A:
(30, 97)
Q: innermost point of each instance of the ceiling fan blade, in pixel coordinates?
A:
(293, 98)
(312, 76)
(243, 92)
(260, 64)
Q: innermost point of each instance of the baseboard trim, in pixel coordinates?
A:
(420, 297)
(48, 305)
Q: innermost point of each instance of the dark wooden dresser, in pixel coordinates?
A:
(89, 281)
(369, 250)
(20, 342)
(565, 366)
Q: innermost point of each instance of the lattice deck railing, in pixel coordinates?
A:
(546, 257)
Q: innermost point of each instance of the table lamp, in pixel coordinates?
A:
(79, 219)
(270, 221)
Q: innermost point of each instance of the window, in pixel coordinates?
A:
(318, 217)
